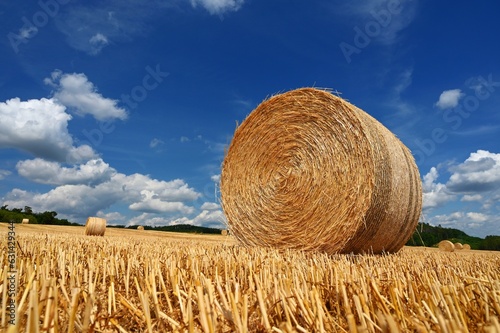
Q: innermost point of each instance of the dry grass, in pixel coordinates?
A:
(166, 282)
(307, 170)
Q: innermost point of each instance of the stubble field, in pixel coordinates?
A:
(149, 281)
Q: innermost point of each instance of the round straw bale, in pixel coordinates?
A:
(466, 247)
(310, 171)
(458, 246)
(95, 226)
(25, 221)
(140, 227)
(224, 232)
(446, 245)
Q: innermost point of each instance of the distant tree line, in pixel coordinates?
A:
(428, 235)
(16, 215)
(178, 228)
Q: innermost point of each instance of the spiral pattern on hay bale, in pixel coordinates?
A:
(446, 245)
(95, 226)
(466, 247)
(458, 246)
(308, 170)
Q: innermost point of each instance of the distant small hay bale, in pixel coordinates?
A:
(224, 232)
(140, 227)
(308, 170)
(466, 247)
(25, 221)
(95, 226)
(458, 246)
(446, 245)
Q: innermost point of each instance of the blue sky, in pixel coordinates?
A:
(122, 109)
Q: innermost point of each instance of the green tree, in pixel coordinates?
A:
(28, 210)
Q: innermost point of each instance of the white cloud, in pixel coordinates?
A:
(139, 192)
(151, 202)
(434, 194)
(477, 217)
(40, 127)
(477, 182)
(210, 206)
(111, 217)
(479, 173)
(28, 32)
(97, 43)
(472, 223)
(93, 172)
(4, 174)
(215, 178)
(207, 218)
(76, 92)
(218, 7)
(155, 143)
(449, 98)
(475, 197)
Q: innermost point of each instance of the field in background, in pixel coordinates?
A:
(152, 281)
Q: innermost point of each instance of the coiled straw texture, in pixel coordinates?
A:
(95, 226)
(307, 170)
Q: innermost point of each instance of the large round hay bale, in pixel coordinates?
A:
(140, 227)
(446, 245)
(310, 171)
(466, 247)
(223, 232)
(458, 246)
(95, 226)
(25, 221)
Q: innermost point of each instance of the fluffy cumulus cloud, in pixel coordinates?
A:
(218, 7)
(40, 127)
(96, 187)
(210, 206)
(93, 172)
(476, 181)
(435, 194)
(473, 223)
(152, 202)
(80, 95)
(449, 98)
(479, 173)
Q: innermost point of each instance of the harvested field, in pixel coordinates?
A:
(169, 282)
